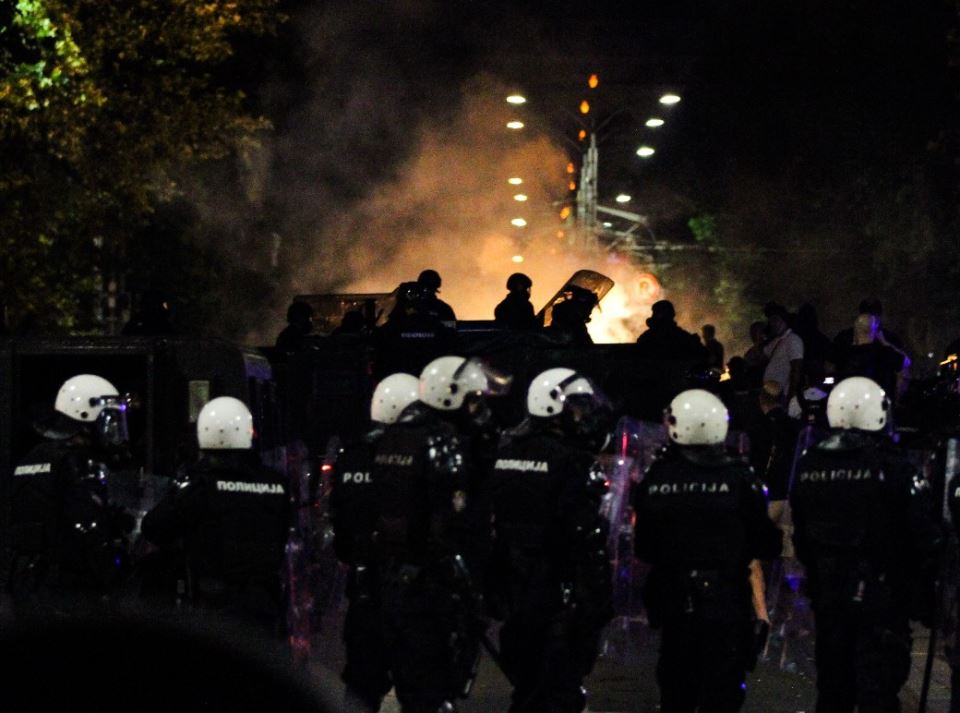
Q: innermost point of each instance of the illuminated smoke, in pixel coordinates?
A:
(449, 208)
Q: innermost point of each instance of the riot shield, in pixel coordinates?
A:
(636, 444)
(589, 280)
(300, 596)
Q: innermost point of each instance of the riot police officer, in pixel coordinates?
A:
(701, 519)
(865, 531)
(515, 310)
(231, 517)
(430, 607)
(67, 539)
(553, 580)
(354, 514)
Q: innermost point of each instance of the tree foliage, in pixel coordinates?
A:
(102, 105)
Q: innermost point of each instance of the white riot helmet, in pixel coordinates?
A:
(81, 397)
(225, 423)
(445, 382)
(697, 418)
(550, 389)
(857, 402)
(392, 395)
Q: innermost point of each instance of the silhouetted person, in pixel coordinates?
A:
(299, 326)
(876, 360)
(754, 359)
(516, 311)
(430, 281)
(773, 443)
(844, 339)
(664, 339)
(152, 318)
(413, 335)
(570, 317)
(817, 347)
(713, 346)
(352, 323)
(784, 352)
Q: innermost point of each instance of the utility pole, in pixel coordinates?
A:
(586, 234)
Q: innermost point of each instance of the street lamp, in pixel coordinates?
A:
(654, 123)
(669, 99)
(516, 99)
(515, 125)
(622, 198)
(518, 223)
(646, 151)
(515, 181)
(520, 197)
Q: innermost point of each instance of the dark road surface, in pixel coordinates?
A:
(623, 680)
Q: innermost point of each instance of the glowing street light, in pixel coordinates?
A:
(518, 223)
(593, 82)
(584, 107)
(517, 258)
(515, 181)
(520, 197)
(516, 99)
(669, 99)
(623, 198)
(654, 122)
(646, 151)
(515, 125)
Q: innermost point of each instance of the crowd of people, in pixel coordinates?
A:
(447, 519)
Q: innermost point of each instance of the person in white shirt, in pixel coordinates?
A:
(784, 352)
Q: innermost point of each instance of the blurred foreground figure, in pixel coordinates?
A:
(701, 519)
(865, 530)
(551, 579)
(231, 518)
(355, 513)
(425, 537)
(67, 541)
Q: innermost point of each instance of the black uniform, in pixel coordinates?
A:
(516, 312)
(354, 514)
(701, 518)
(553, 579)
(232, 515)
(865, 530)
(67, 541)
(429, 609)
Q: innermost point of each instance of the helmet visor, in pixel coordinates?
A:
(111, 423)
(477, 377)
